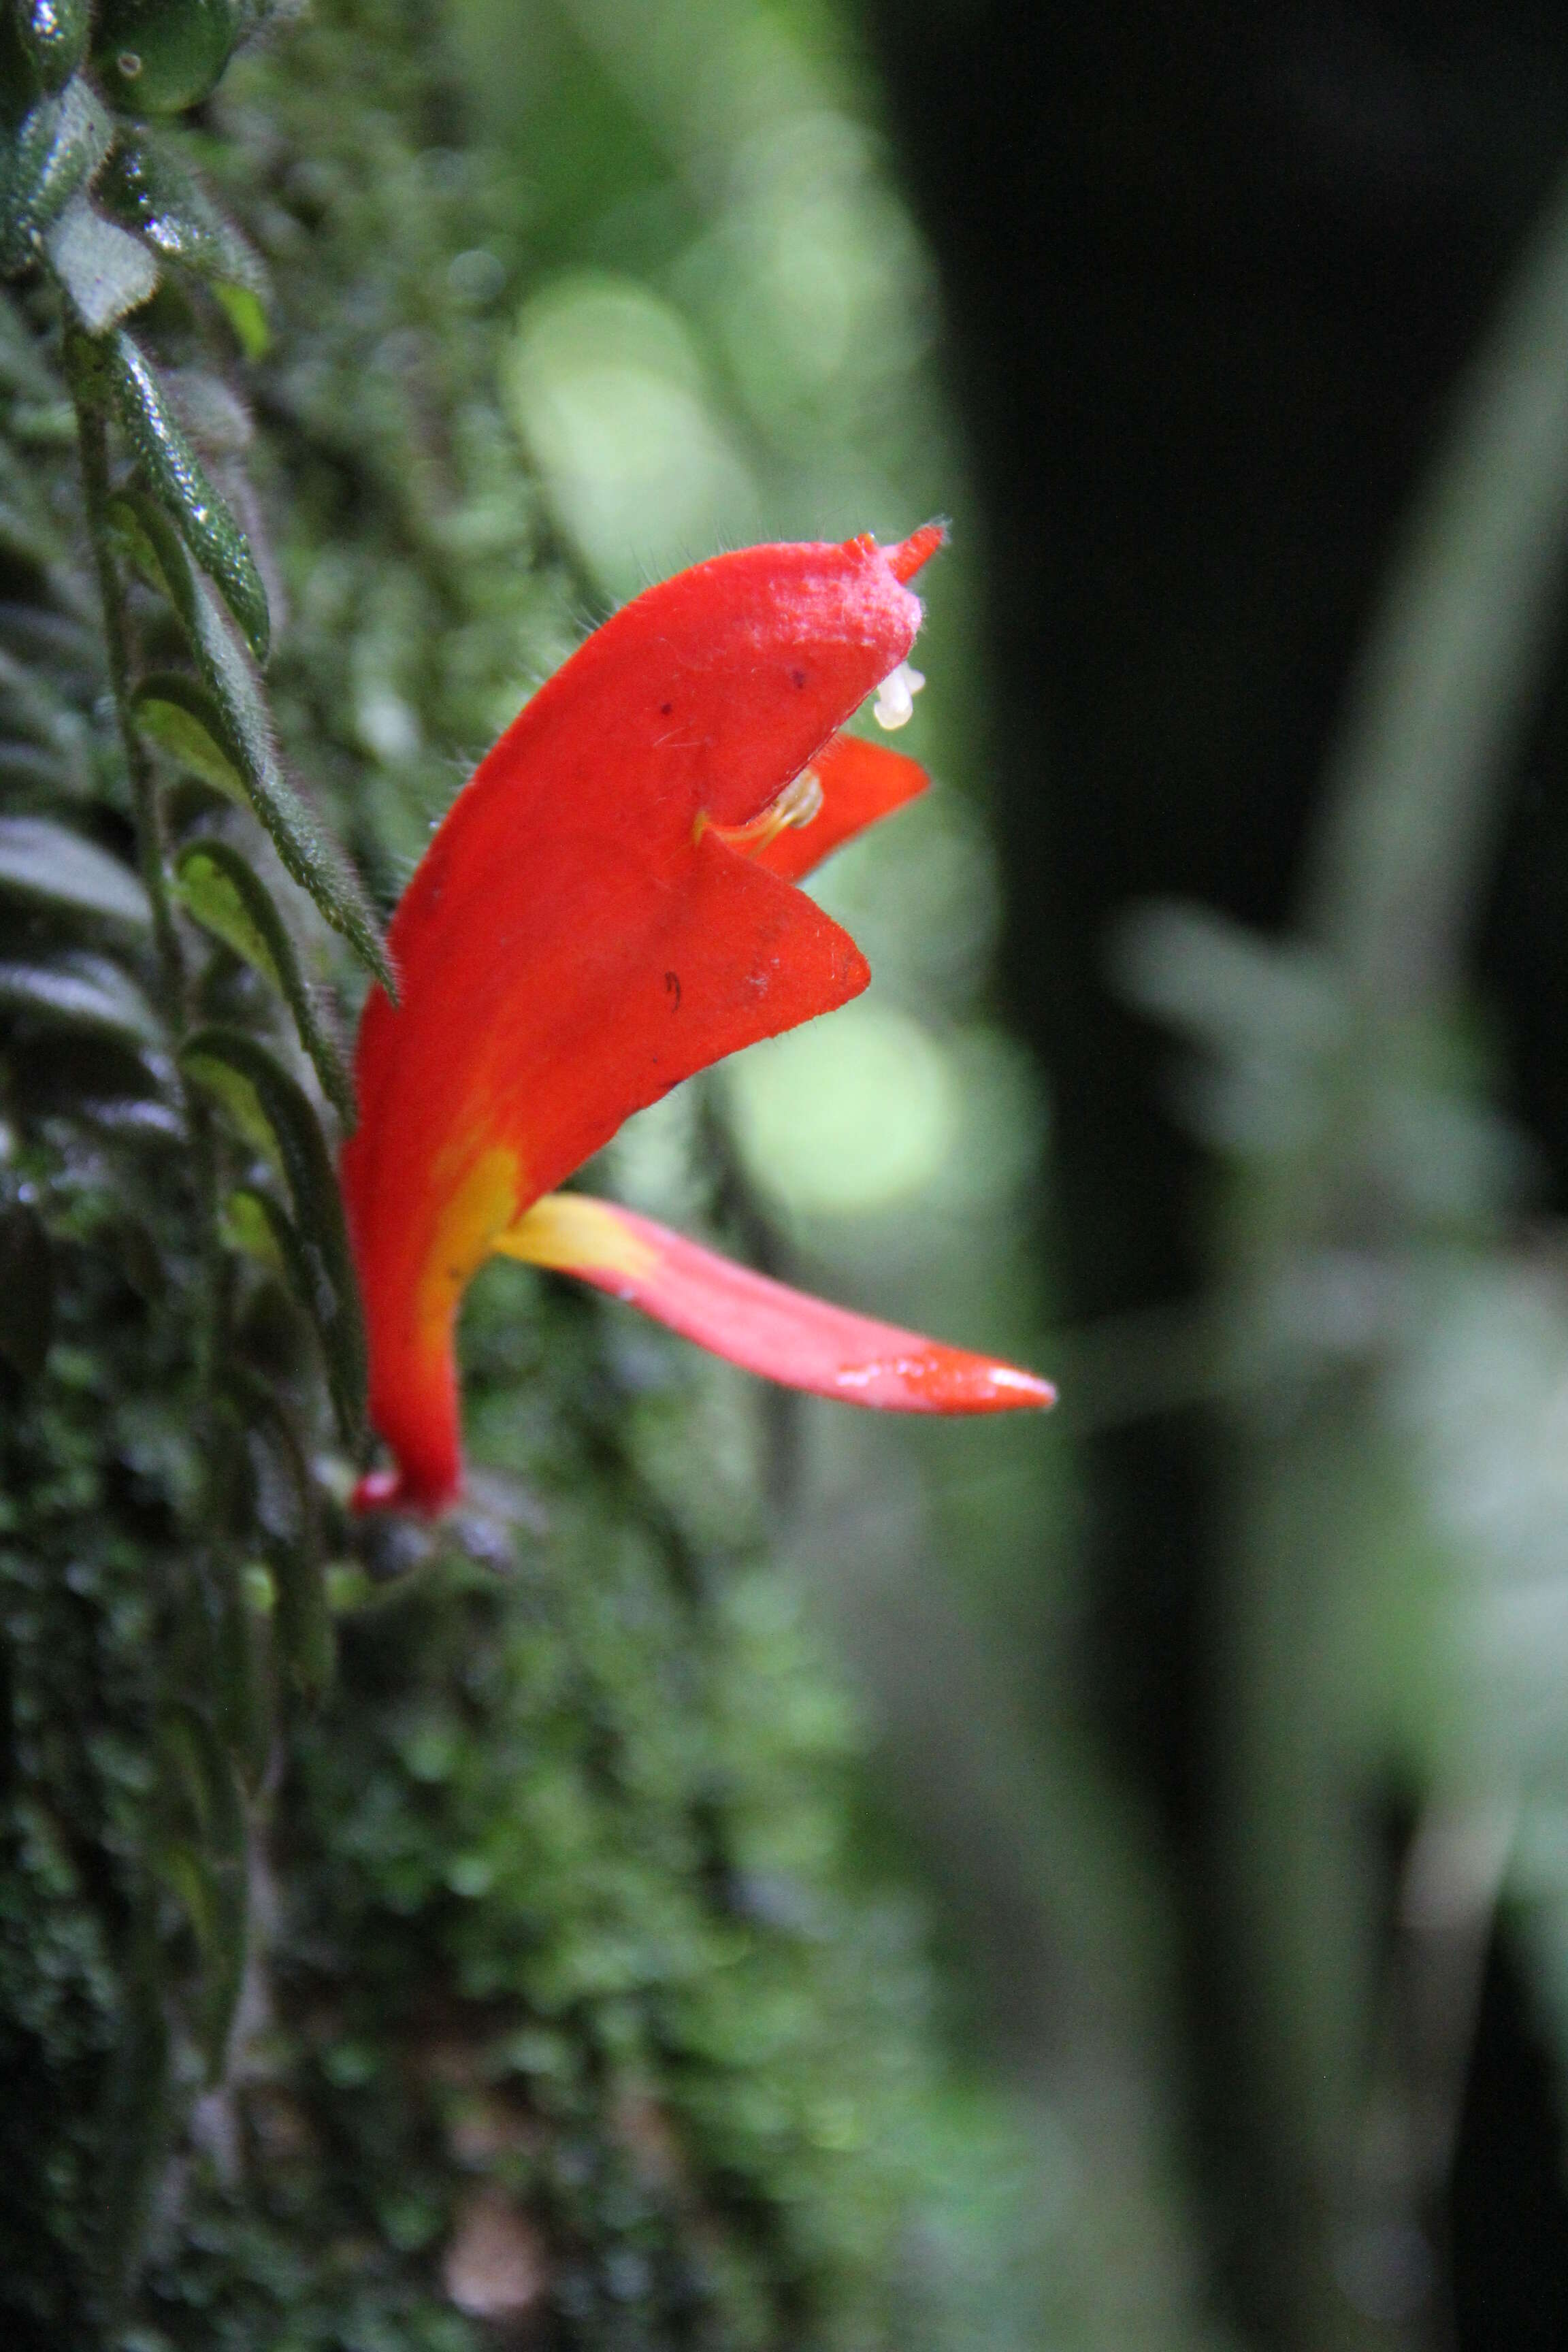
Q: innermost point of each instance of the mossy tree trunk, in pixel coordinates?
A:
(406, 1938)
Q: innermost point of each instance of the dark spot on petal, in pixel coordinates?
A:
(797, 677)
(672, 988)
(664, 709)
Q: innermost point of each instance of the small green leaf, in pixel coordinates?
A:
(27, 1290)
(80, 993)
(248, 1226)
(182, 720)
(225, 894)
(179, 483)
(56, 152)
(128, 518)
(286, 1504)
(50, 863)
(272, 1113)
(254, 1223)
(151, 190)
(53, 34)
(247, 316)
(106, 272)
(234, 720)
(236, 1095)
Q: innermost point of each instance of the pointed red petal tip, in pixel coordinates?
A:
(760, 1324)
(905, 560)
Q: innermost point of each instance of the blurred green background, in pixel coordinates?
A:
(1226, 1717)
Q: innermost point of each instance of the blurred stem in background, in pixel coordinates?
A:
(1211, 281)
(1362, 2020)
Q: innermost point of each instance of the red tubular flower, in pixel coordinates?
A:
(607, 908)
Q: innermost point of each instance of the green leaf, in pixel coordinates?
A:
(226, 895)
(80, 993)
(56, 152)
(261, 1227)
(203, 1856)
(286, 1504)
(247, 317)
(272, 1113)
(106, 272)
(27, 1290)
(249, 1224)
(232, 717)
(179, 483)
(49, 862)
(151, 190)
(53, 34)
(182, 720)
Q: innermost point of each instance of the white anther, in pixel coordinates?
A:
(895, 703)
(799, 802)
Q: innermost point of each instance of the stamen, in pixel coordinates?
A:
(895, 703)
(795, 806)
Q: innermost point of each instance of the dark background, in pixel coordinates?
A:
(1210, 275)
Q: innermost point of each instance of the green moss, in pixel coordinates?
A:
(561, 1985)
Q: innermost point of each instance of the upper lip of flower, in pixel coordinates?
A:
(605, 910)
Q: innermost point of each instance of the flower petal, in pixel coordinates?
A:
(758, 1323)
(579, 937)
(860, 781)
(511, 1087)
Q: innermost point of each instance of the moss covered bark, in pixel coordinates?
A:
(510, 1979)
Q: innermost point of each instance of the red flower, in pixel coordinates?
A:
(607, 908)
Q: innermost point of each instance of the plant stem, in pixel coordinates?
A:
(93, 447)
(92, 444)
(1418, 788)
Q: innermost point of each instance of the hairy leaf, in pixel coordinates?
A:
(286, 1502)
(105, 271)
(271, 1112)
(260, 1226)
(151, 190)
(233, 718)
(56, 152)
(226, 895)
(182, 720)
(179, 483)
